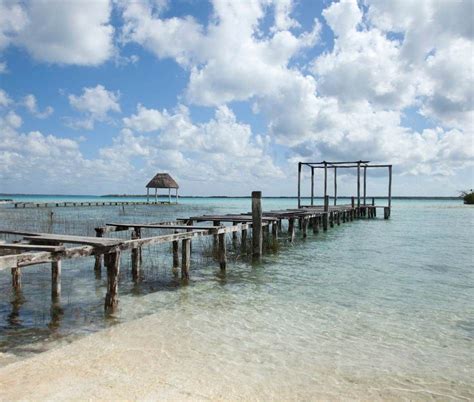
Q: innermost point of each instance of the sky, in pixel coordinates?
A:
(227, 96)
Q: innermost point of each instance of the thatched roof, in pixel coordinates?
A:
(162, 180)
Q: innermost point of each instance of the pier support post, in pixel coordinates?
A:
(386, 212)
(299, 185)
(234, 234)
(243, 241)
(222, 252)
(275, 233)
(185, 258)
(99, 232)
(305, 227)
(175, 255)
(315, 225)
(291, 229)
(257, 224)
(112, 262)
(55, 279)
(136, 260)
(215, 238)
(331, 219)
(389, 190)
(16, 278)
(338, 218)
(326, 213)
(312, 185)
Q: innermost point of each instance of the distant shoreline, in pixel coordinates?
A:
(224, 196)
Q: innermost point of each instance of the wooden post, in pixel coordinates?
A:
(234, 234)
(136, 260)
(185, 258)
(257, 222)
(222, 252)
(112, 262)
(305, 227)
(389, 190)
(243, 240)
(16, 278)
(312, 185)
(299, 184)
(358, 184)
(335, 185)
(338, 217)
(99, 232)
(365, 185)
(55, 279)
(175, 255)
(325, 179)
(386, 212)
(215, 238)
(275, 233)
(156, 195)
(315, 225)
(326, 213)
(291, 229)
(331, 219)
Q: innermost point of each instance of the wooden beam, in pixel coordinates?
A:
(30, 247)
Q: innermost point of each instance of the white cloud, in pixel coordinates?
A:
(4, 98)
(3, 67)
(146, 120)
(95, 103)
(29, 101)
(64, 32)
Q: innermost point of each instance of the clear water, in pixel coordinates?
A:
(387, 304)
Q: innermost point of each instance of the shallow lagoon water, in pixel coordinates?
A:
(372, 304)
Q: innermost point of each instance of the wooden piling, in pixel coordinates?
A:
(99, 232)
(16, 278)
(305, 227)
(326, 213)
(335, 185)
(136, 260)
(312, 186)
(291, 229)
(112, 262)
(55, 279)
(275, 233)
(222, 252)
(257, 239)
(243, 241)
(185, 258)
(315, 225)
(299, 185)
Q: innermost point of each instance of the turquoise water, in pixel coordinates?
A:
(385, 304)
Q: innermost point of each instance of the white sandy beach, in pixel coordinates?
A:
(167, 357)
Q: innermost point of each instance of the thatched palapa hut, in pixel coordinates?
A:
(162, 180)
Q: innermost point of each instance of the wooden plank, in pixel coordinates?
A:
(30, 247)
(92, 241)
(162, 226)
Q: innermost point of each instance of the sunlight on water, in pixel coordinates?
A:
(370, 304)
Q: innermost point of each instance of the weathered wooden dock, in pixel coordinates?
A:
(84, 204)
(256, 225)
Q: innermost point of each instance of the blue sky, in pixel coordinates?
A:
(226, 96)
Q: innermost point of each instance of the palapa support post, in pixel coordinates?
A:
(365, 185)
(185, 258)
(156, 195)
(335, 185)
(312, 185)
(299, 184)
(112, 262)
(358, 185)
(136, 251)
(325, 179)
(389, 190)
(257, 239)
(291, 229)
(222, 252)
(55, 279)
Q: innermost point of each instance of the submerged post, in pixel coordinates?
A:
(136, 251)
(99, 232)
(257, 238)
(326, 213)
(175, 255)
(185, 258)
(299, 185)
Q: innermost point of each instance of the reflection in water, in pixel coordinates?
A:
(57, 313)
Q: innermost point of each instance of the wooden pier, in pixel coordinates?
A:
(264, 227)
(85, 204)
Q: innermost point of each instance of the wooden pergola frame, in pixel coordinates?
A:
(343, 165)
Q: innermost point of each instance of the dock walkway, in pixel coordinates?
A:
(255, 228)
(84, 204)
